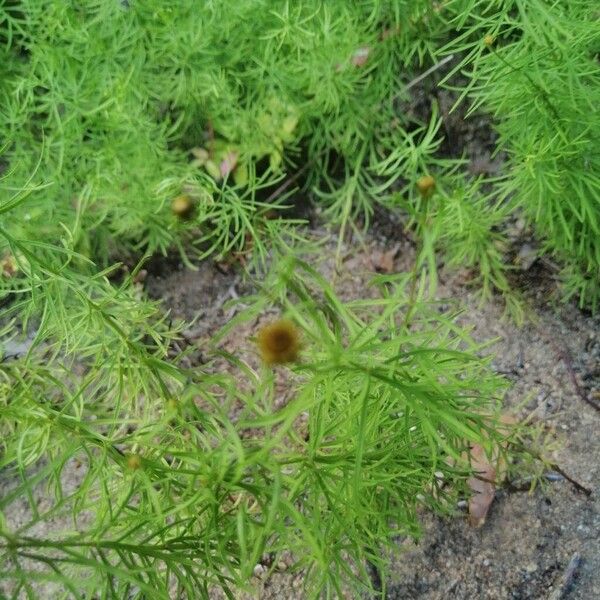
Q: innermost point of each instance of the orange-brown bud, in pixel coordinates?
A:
(279, 342)
(134, 462)
(426, 186)
(182, 206)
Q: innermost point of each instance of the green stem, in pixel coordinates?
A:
(417, 265)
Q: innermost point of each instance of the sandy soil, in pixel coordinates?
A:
(524, 549)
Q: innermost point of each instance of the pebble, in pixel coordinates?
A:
(531, 567)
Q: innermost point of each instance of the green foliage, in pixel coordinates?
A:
(111, 110)
(117, 94)
(540, 78)
(185, 478)
(379, 421)
(467, 228)
(118, 98)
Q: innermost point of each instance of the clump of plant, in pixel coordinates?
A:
(180, 480)
(131, 103)
(534, 67)
(213, 105)
(128, 106)
(173, 494)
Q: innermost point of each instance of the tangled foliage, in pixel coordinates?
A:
(539, 76)
(133, 104)
(133, 128)
(177, 496)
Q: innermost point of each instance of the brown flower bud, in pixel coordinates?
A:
(182, 206)
(426, 186)
(134, 462)
(279, 342)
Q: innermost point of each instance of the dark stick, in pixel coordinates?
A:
(376, 576)
(566, 358)
(567, 578)
(286, 184)
(563, 354)
(578, 486)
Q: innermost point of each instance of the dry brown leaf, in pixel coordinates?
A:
(487, 471)
(228, 164)
(481, 485)
(383, 262)
(8, 266)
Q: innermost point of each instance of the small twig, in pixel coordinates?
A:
(524, 485)
(567, 578)
(426, 73)
(376, 574)
(288, 182)
(554, 467)
(578, 486)
(564, 354)
(580, 392)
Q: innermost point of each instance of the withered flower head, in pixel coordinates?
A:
(182, 206)
(426, 185)
(134, 462)
(279, 342)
